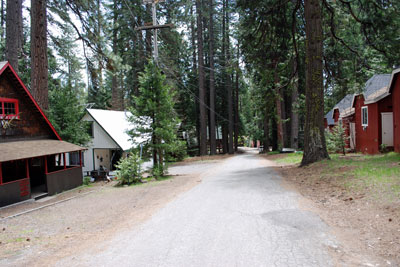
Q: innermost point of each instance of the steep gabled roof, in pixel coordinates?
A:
(329, 118)
(376, 88)
(392, 79)
(6, 68)
(116, 125)
(345, 106)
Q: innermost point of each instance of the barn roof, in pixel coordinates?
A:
(35, 148)
(6, 68)
(345, 106)
(329, 117)
(116, 125)
(376, 88)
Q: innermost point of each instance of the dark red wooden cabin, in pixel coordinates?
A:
(394, 90)
(32, 155)
(373, 111)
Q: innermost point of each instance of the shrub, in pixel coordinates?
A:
(336, 140)
(128, 169)
(86, 180)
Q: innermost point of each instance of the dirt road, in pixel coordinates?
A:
(229, 212)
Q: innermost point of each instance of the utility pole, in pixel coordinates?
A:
(154, 27)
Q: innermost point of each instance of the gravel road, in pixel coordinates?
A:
(239, 215)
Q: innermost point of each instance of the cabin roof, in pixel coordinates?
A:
(116, 125)
(345, 106)
(376, 88)
(6, 68)
(35, 148)
(329, 117)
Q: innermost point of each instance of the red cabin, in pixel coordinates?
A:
(32, 156)
(394, 90)
(374, 116)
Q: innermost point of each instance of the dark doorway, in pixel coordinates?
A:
(37, 176)
(115, 157)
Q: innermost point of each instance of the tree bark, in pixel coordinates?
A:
(193, 40)
(266, 127)
(39, 68)
(202, 108)
(236, 127)
(13, 32)
(278, 103)
(314, 137)
(213, 143)
(294, 119)
(148, 33)
(228, 83)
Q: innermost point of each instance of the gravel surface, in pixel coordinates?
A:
(239, 215)
(45, 236)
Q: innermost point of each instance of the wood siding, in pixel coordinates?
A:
(369, 138)
(31, 124)
(396, 114)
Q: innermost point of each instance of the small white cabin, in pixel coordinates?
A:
(110, 141)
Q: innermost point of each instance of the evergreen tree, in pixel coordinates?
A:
(154, 116)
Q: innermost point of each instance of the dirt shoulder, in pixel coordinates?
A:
(364, 218)
(94, 214)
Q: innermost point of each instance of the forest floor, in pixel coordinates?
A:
(358, 196)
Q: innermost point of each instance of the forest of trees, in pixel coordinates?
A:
(249, 70)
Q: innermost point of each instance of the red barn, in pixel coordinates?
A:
(32, 156)
(374, 115)
(394, 90)
(344, 112)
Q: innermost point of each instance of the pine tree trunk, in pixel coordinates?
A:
(314, 137)
(294, 119)
(278, 103)
(116, 96)
(39, 68)
(228, 83)
(148, 33)
(13, 32)
(266, 129)
(237, 104)
(202, 96)
(213, 144)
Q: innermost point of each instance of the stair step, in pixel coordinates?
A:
(37, 197)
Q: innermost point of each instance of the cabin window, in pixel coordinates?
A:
(74, 158)
(364, 116)
(90, 129)
(8, 108)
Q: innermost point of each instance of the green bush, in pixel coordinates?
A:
(86, 180)
(128, 169)
(178, 151)
(336, 140)
(159, 171)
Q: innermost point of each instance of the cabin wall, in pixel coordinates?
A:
(396, 114)
(384, 105)
(367, 137)
(336, 115)
(31, 124)
(63, 180)
(14, 192)
(100, 140)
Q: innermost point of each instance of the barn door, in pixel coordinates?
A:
(387, 128)
(352, 135)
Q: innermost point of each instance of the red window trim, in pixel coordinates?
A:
(9, 100)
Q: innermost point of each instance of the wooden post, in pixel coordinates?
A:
(45, 165)
(65, 161)
(1, 174)
(80, 158)
(27, 168)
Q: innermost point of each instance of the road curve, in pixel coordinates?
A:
(239, 215)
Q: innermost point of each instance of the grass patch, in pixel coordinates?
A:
(290, 158)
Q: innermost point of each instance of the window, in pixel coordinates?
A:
(74, 158)
(8, 108)
(364, 116)
(90, 128)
